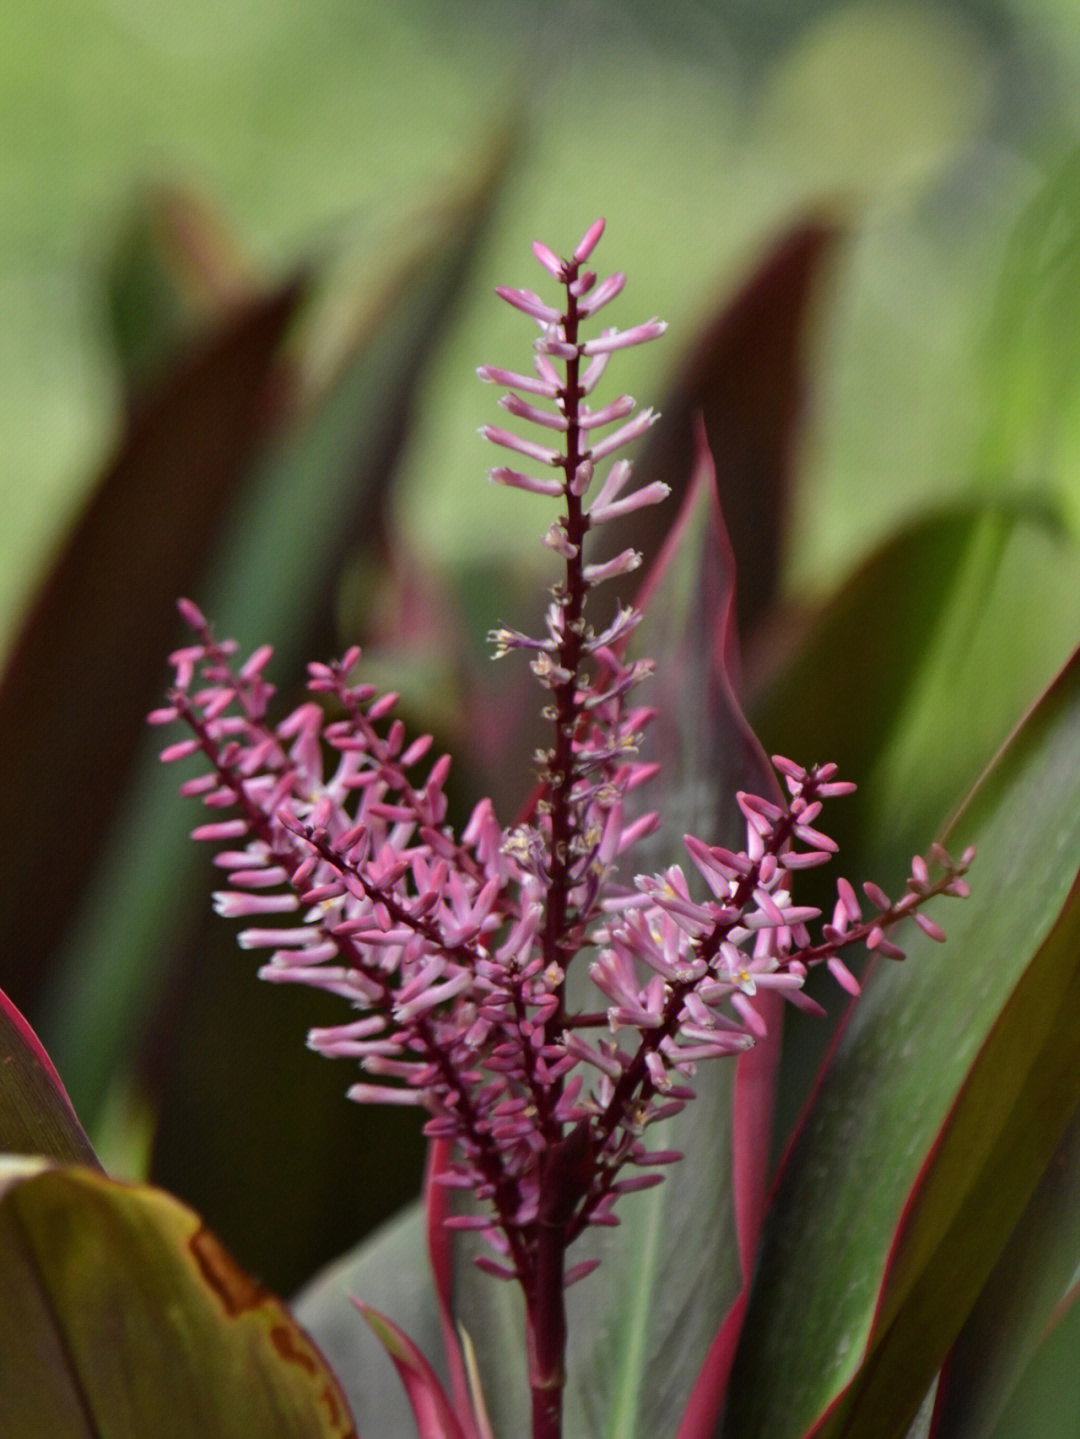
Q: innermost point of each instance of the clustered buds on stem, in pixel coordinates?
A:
(452, 950)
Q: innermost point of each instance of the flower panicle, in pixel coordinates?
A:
(452, 951)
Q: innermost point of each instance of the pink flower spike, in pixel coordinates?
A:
(589, 241)
(550, 261)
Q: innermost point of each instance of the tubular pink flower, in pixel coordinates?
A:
(604, 293)
(622, 339)
(652, 494)
(543, 454)
(501, 475)
(589, 241)
(530, 384)
(633, 430)
(529, 303)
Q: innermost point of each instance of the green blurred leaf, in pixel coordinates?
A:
(875, 97)
(1030, 360)
(174, 271)
(950, 1089)
(909, 679)
(122, 1315)
(1047, 1399)
(36, 1116)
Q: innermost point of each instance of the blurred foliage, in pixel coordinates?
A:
(246, 262)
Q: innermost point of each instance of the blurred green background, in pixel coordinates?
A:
(305, 462)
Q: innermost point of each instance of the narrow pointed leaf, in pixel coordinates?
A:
(1047, 1399)
(910, 678)
(434, 1415)
(36, 1116)
(747, 377)
(121, 1314)
(948, 1092)
(389, 1271)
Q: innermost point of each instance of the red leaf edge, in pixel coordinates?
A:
(433, 1412)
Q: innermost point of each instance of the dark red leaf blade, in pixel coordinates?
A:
(86, 665)
(747, 377)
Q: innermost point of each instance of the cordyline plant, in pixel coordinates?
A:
(453, 951)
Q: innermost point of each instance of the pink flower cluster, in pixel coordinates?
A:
(452, 951)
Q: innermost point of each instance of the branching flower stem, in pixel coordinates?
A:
(453, 951)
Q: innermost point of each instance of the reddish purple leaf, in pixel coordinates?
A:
(87, 663)
(434, 1414)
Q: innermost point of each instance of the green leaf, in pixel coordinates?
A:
(1047, 1399)
(174, 270)
(1030, 360)
(122, 1315)
(949, 1091)
(1008, 1324)
(36, 1116)
(746, 376)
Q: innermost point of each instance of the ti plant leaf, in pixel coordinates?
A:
(121, 1315)
(946, 1096)
(105, 616)
(1009, 1323)
(746, 377)
(36, 1116)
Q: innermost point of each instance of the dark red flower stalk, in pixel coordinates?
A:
(452, 951)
